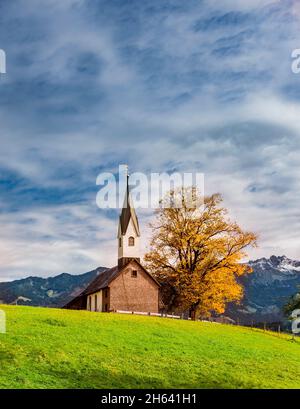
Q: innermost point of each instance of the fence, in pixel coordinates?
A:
(268, 326)
(276, 327)
(152, 314)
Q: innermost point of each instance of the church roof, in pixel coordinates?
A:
(102, 280)
(128, 213)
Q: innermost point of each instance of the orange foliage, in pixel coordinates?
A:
(196, 254)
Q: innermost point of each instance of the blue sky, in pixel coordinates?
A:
(200, 86)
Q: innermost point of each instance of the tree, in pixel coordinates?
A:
(196, 253)
(292, 304)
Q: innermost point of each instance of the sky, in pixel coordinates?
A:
(162, 85)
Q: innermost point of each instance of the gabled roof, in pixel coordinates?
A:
(101, 281)
(105, 278)
(128, 213)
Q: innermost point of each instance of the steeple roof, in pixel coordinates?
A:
(128, 213)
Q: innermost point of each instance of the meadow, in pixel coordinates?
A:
(52, 348)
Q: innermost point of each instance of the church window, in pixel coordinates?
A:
(120, 242)
(134, 273)
(131, 241)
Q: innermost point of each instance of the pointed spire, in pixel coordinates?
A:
(127, 188)
(128, 211)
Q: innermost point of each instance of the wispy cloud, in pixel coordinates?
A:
(161, 85)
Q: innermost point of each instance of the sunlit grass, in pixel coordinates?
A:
(51, 348)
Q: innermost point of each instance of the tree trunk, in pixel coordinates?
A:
(193, 315)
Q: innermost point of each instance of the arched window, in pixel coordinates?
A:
(120, 242)
(131, 241)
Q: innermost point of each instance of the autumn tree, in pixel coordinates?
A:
(196, 253)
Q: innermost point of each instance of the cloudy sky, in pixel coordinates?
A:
(163, 85)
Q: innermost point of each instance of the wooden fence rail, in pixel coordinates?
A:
(274, 327)
(150, 314)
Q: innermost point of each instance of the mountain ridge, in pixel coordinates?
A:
(53, 291)
(266, 290)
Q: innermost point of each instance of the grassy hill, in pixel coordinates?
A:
(50, 348)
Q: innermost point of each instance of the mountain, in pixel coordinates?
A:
(47, 292)
(267, 289)
(270, 285)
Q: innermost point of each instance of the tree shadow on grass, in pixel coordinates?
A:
(100, 379)
(66, 378)
(7, 359)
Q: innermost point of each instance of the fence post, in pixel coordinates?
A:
(265, 326)
(279, 329)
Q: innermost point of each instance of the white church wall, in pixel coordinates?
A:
(91, 304)
(129, 251)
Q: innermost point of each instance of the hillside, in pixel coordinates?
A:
(50, 348)
(46, 292)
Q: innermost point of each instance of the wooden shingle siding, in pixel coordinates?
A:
(131, 293)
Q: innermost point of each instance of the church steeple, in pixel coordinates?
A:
(129, 231)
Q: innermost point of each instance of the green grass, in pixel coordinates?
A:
(49, 348)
